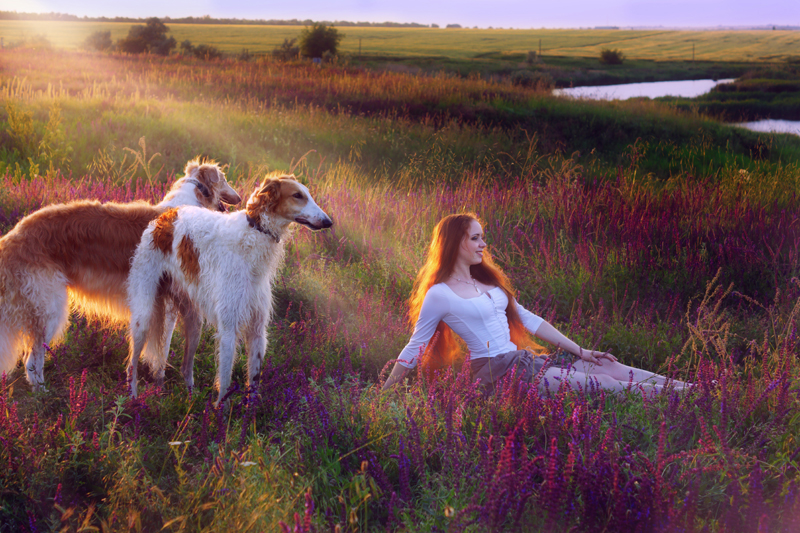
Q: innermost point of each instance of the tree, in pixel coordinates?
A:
(152, 38)
(319, 39)
(99, 40)
(287, 51)
(611, 57)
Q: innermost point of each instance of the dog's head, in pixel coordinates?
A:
(211, 187)
(203, 185)
(283, 197)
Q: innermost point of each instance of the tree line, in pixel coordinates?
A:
(13, 15)
(315, 41)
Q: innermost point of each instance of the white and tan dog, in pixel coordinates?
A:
(217, 267)
(80, 253)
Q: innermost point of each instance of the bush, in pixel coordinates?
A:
(527, 78)
(611, 57)
(201, 51)
(37, 42)
(150, 38)
(287, 51)
(99, 40)
(318, 39)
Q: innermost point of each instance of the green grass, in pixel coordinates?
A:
(396, 127)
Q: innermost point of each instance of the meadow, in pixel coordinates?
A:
(453, 43)
(655, 233)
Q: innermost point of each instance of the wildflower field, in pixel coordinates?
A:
(664, 237)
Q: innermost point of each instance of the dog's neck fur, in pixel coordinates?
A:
(182, 193)
(273, 227)
(259, 225)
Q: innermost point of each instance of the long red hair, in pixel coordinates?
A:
(448, 235)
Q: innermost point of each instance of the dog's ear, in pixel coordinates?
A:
(271, 192)
(209, 174)
(265, 199)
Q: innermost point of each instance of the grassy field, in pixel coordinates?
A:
(458, 44)
(667, 238)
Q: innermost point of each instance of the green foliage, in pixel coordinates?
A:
(34, 146)
(201, 51)
(150, 38)
(762, 93)
(611, 57)
(99, 40)
(318, 39)
(534, 79)
(37, 42)
(287, 51)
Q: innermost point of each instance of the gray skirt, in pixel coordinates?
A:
(490, 370)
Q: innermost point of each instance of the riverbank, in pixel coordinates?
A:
(762, 93)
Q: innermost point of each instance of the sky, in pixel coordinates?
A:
(481, 13)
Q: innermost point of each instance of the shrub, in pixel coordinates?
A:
(201, 51)
(99, 40)
(319, 39)
(37, 42)
(287, 51)
(611, 57)
(150, 38)
(527, 78)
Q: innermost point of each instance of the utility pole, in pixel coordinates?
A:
(692, 52)
(540, 48)
(359, 48)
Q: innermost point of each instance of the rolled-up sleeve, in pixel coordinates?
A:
(434, 308)
(529, 320)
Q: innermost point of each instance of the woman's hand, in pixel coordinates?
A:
(399, 372)
(594, 356)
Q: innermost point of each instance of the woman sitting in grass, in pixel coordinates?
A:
(461, 290)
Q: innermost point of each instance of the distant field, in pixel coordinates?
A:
(455, 43)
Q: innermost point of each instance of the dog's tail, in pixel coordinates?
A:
(148, 287)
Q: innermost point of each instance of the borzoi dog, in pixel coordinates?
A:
(80, 253)
(216, 267)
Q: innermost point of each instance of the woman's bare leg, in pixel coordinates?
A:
(626, 374)
(576, 379)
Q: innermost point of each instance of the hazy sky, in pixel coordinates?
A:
(483, 13)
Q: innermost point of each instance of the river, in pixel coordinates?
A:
(686, 89)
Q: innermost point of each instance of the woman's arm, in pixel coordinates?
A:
(548, 333)
(434, 308)
(399, 373)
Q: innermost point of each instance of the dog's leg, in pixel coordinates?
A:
(138, 339)
(256, 348)
(227, 351)
(47, 326)
(34, 365)
(192, 327)
(158, 345)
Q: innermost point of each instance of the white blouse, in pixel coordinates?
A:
(481, 322)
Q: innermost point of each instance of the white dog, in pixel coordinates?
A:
(80, 253)
(218, 267)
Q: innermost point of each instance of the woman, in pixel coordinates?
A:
(461, 290)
